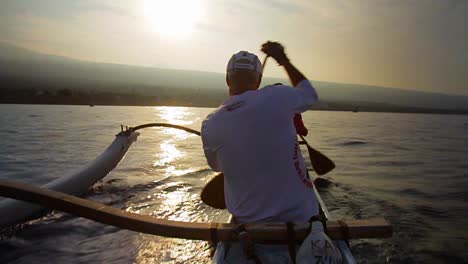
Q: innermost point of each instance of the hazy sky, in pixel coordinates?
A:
(412, 44)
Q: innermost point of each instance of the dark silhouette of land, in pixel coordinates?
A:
(77, 97)
(29, 77)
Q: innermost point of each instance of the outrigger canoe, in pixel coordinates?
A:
(218, 233)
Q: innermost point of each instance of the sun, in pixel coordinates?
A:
(173, 17)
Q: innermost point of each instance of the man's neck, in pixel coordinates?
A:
(234, 91)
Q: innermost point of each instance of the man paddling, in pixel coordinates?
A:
(251, 138)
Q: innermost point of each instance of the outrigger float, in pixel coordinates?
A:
(29, 201)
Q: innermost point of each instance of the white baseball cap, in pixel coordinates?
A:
(246, 61)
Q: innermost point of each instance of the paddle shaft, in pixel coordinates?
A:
(264, 63)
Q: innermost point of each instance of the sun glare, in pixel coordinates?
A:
(173, 17)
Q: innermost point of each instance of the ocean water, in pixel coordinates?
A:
(411, 169)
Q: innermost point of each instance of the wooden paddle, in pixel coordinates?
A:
(321, 163)
(213, 192)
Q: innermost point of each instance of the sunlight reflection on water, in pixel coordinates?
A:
(153, 250)
(174, 115)
(168, 154)
(175, 200)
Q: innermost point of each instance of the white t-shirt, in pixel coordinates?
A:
(251, 138)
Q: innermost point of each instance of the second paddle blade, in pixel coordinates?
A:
(213, 192)
(321, 163)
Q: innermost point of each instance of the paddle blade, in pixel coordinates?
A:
(213, 192)
(321, 163)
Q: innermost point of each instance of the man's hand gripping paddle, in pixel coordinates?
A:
(213, 192)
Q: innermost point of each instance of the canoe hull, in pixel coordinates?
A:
(342, 245)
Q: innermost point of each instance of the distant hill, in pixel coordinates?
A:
(25, 69)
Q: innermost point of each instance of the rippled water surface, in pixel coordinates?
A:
(411, 169)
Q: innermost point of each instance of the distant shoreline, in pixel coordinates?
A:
(68, 96)
(175, 104)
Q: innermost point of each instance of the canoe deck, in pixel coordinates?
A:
(342, 245)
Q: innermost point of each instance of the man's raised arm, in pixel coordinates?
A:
(305, 89)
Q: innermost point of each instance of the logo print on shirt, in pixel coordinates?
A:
(297, 165)
(235, 106)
